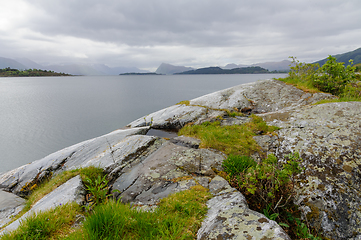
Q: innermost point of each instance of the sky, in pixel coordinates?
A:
(194, 33)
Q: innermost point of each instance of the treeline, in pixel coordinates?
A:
(11, 72)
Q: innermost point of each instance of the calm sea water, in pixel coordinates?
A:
(42, 115)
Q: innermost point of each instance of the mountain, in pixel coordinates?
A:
(29, 64)
(218, 70)
(7, 62)
(275, 66)
(166, 68)
(345, 57)
(233, 65)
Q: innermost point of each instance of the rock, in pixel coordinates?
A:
(97, 151)
(259, 97)
(169, 169)
(229, 217)
(10, 205)
(186, 141)
(328, 137)
(172, 117)
(70, 191)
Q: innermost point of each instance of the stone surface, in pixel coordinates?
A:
(98, 152)
(10, 205)
(169, 169)
(328, 137)
(229, 217)
(175, 116)
(70, 191)
(259, 97)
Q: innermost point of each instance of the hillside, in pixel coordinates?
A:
(218, 70)
(345, 57)
(166, 68)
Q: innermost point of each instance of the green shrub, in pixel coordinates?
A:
(333, 77)
(269, 188)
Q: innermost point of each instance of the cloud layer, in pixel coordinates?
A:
(144, 33)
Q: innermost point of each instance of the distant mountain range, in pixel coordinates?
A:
(164, 68)
(69, 68)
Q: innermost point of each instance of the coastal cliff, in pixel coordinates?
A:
(143, 169)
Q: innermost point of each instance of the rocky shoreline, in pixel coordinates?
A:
(142, 167)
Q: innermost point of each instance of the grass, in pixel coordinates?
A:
(178, 216)
(235, 139)
(52, 224)
(42, 189)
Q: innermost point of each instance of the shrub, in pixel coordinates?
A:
(333, 77)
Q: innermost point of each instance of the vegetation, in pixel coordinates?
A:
(269, 184)
(218, 70)
(333, 77)
(235, 139)
(9, 72)
(52, 224)
(177, 216)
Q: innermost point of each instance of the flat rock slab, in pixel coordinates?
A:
(10, 205)
(71, 191)
(229, 217)
(169, 169)
(259, 97)
(328, 137)
(97, 151)
(172, 117)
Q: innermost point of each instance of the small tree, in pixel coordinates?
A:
(333, 76)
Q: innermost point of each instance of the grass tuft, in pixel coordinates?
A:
(235, 139)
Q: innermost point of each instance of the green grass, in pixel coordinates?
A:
(178, 216)
(235, 139)
(38, 191)
(52, 224)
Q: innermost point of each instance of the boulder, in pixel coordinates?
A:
(328, 138)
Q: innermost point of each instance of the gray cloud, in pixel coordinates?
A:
(145, 33)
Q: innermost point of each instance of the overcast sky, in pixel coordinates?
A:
(197, 33)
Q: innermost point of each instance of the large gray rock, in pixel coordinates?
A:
(172, 117)
(328, 137)
(100, 151)
(257, 97)
(70, 191)
(169, 169)
(10, 205)
(229, 217)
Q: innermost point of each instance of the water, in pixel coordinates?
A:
(42, 115)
